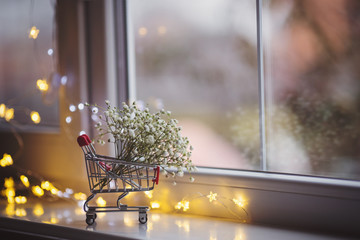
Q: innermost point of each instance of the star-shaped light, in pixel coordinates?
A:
(212, 196)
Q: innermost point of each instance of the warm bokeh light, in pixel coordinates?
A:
(6, 160)
(10, 210)
(38, 210)
(239, 202)
(42, 85)
(54, 220)
(143, 31)
(162, 30)
(25, 180)
(37, 191)
(35, 117)
(184, 205)
(155, 205)
(20, 199)
(2, 110)
(101, 202)
(34, 32)
(46, 185)
(10, 194)
(212, 196)
(9, 182)
(54, 190)
(80, 196)
(20, 212)
(9, 114)
(149, 194)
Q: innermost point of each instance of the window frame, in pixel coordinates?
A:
(276, 199)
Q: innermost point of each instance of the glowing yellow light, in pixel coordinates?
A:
(35, 117)
(2, 110)
(162, 30)
(9, 182)
(37, 191)
(101, 202)
(34, 32)
(143, 31)
(239, 202)
(38, 210)
(9, 114)
(10, 210)
(20, 212)
(6, 160)
(42, 85)
(185, 205)
(54, 220)
(54, 190)
(11, 200)
(46, 185)
(149, 194)
(212, 196)
(80, 196)
(155, 205)
(10, 194)
(25, 180)
(20, 199)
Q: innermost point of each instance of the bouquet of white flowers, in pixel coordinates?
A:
(142, 136)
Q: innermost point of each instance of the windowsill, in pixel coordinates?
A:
(66, 220)
(281, 182)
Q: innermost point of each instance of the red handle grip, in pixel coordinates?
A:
(83, 140)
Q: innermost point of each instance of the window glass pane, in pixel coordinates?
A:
(198, 59)
(27, 54)
(312, 74)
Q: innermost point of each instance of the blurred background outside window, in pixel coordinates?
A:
(28, 79)
(198, 59)
(312, 76)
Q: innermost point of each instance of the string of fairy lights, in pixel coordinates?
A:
(17, 189)
(212, 198)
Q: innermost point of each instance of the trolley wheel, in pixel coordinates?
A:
(90, 218)
(143, 218)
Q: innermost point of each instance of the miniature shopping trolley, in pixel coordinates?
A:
(109, 175)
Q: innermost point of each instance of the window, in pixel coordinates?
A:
(312, 87)
(29, 82)
(199, 60)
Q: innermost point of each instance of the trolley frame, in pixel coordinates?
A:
(110, 175)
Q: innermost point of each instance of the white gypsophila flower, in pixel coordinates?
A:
(131, 133)
(180, 173)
